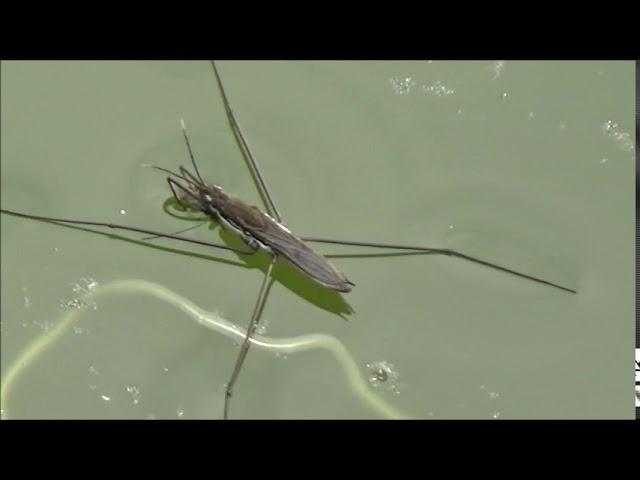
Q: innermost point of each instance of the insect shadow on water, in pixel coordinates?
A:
(246, 230)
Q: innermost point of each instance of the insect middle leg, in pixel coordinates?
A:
(267, 281)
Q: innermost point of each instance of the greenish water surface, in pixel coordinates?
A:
(528, 164)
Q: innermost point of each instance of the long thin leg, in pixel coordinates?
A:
(443, 251)
(255, 318)
(153, 237)
(273, 210)
(124, 227)
(246, 151)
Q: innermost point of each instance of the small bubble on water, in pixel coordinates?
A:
(498, 67)
(438, 89)
(80, 330)
(495, 415)
(180, 413)
(402, 86)
(166, 369)
(134, 392)
(91, 283)
(105, 398)
(44, 326)
(504, 95)
(604, 160)
(83, 289)
(123, 212)
(383, 374)
(621, 139)
(73, 303)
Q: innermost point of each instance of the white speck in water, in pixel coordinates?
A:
(83, 289)
(450, 227)
(44, 326)
(495, 415)
(497, 67)
(604, 160)
(483, 387)
(494, 395)
(73, 303)
(93, 370)
(56, 249)
(166, 369)
(504, 95)
(562, 126)
(27, 300)
(105, 398)
(622, 139)
(383, 374)
(402, 86)
(438, 89)
(134, 392)
(531, 115)
(180, 413)
(123, 212)
(460, 111)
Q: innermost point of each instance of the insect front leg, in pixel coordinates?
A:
(255, 244)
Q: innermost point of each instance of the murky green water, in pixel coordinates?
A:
(512, 162)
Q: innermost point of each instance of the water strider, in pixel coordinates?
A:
(261, 230)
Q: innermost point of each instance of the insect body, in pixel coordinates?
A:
(256, 228)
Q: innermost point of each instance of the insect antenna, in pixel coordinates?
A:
(172, 173)
(193, 160)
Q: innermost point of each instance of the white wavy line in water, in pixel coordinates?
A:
(209, 320)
